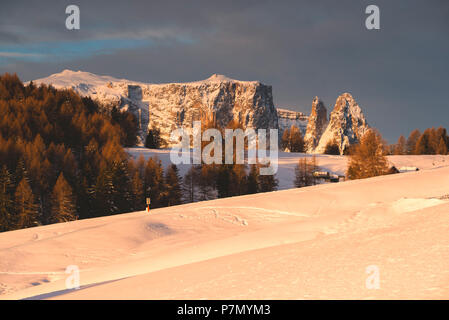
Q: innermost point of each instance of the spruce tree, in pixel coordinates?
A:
(190, 184)
(225, 181)
(26, 208)
(62, 202)
(292, 140)
(103, 192)
(154, 182)
(137, 191)
(6, 201)
(300, 175)
(442, 147)
(140, 167)
(297, 141)
(153, 140)
(412, 140)
(368, 158)
(240, 183)
(21, 172)
(424, 144)
(304, 171)
(401, 146)
(122, 188)
(173, 194)
(252, 183)
(285, 140)
(209, 181)
(441, 133)
(268, 183)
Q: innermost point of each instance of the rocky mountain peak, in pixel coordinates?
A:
(346, 124)
(316, 124)
(219, 78)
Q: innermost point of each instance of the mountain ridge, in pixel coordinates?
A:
(171, 105)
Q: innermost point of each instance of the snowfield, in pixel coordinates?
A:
(317, 242)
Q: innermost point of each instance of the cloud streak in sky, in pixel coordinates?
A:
(18, 55)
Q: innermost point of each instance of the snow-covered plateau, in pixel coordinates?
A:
(319, 242)
(170, 106)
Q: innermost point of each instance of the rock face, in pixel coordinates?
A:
(288, 118)
(179, 104)
(346, 124)
(316, 125)
(174, 105)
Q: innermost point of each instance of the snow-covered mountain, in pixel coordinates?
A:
(346, 125)
(173, 105)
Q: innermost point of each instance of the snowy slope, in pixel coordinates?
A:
(69, 78)
(313, 242)
(105, 89)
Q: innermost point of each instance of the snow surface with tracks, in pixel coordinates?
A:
(308, 243)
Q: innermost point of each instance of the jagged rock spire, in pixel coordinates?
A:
(346, 124)
(316, 124)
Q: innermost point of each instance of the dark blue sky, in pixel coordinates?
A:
(399, 74)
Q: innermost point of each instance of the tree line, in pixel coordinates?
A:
(292, 140)
(211, 181)
(368, 157)
(62, 158)
(431, 141)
